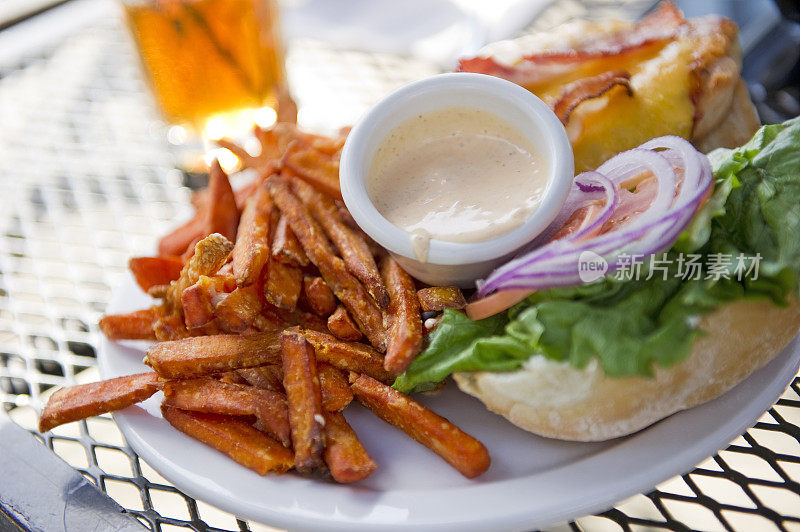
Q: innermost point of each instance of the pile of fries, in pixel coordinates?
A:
(275, 311)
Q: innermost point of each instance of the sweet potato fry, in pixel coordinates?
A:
(319, 295)
(86, 400)
(349, 356)
(314, 167)
(210, 355)
(436, 298)
(346, 287)
(198, 300)
(234, 437)
(282, 285)
(455, 446)
(222, 214)
(303, 394)
(285, 246)
(210, 255)
(346, 458)
(336, 393)
(354, 250)
(405, 335)
(232, 377)
(176, 242)
(264, 377)
(170, 326)
(251, 251)
(238, 310)
(342, 325)
(214, 397)
(136, 325)
(154, 271)
(289, 318)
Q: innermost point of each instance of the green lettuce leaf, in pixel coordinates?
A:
(632, 326)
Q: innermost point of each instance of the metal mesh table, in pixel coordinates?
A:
(87, 180)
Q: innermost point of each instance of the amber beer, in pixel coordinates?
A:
(205, 57)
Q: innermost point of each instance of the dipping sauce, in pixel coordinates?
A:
(457, 174)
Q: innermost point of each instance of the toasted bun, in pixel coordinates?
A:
(554, 399)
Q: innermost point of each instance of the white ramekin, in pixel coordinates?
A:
(456, 263)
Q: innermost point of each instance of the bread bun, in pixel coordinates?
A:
(555, 400)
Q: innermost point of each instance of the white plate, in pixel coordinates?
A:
(533, 481)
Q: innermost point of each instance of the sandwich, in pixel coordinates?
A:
(685, 299)
(670, 276)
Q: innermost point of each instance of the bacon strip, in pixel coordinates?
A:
(208, 355)
(234, 437)
(455, 446)
(87, 400)
(664, 24)
(587, 89)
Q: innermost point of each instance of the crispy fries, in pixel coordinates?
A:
(238, 310)
(155, 271)
(318, 295)
(209, 256)
(86, 400)
(214, 397)
(455, 446)
(354, 250)
(176, 242)
(199, 299)
(336, 393)
(346, 458)
(361, 306)
(286, 247)
(342, 325)
(252, 250)
(264, 377)
(136, 325)
(209, 355)
(222, 215)
(245, 359)
(314, 167)
(405, 336)
(303, 393)
(436, 298)
(348, 356)
(283, 285)
(234, 437)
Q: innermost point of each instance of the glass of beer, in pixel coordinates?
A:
(210, 63)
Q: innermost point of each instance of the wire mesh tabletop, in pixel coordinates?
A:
(88, 179)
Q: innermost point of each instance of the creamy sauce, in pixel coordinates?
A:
(457, 174)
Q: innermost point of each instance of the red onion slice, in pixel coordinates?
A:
(683, 179)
